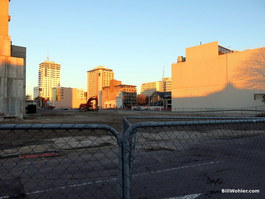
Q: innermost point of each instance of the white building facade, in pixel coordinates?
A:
(49, 77)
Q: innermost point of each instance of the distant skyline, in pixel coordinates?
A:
(134, 38)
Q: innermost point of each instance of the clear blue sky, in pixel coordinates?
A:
(135, 38)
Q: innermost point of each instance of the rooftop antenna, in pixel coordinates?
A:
(48, 58)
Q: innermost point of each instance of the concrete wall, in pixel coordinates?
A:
(78, 97)
(12, 86)
(12, 69)
(65, 98)
(70, 98)
(209, 80)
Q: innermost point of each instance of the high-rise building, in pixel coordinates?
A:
(12, 69)
(49, 77)
(98, 78)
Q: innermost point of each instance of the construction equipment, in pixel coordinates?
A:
(90, 106)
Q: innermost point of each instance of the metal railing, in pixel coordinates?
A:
(153, 157)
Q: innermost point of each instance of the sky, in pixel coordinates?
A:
(138, 39)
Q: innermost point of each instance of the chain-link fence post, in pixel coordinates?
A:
(125, 163)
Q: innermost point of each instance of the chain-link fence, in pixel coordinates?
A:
(194, 157)
(156, 157)
(60, 161)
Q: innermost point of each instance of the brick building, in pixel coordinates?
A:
(118, 95)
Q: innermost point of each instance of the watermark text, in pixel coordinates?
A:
(240, 191)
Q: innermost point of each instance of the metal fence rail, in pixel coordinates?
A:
(136, 119)
(60, 161)
(169, 159)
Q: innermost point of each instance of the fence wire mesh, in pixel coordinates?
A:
(195, 158)
(59, 161)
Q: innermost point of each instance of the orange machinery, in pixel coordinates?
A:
(90, 106)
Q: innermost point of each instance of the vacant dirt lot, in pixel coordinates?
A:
(16, 139)
(112, 118)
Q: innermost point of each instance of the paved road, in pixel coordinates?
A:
(83, 173)
(201, 169)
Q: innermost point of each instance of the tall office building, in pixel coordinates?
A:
(49, 77)
(98, 78)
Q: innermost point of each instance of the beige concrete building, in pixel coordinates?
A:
(98, 78)
(162, 86)
(214, 77)
(49, 77)
(12, 69)
(68, 97)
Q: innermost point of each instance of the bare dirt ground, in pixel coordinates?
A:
(112, 118)
(20, 138)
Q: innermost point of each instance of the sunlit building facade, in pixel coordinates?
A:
(118, 95)
(49, 77)
(161, 86)
(64, 97)
(12, 69)
(213, 77)
(98, 78)
(167, 84)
